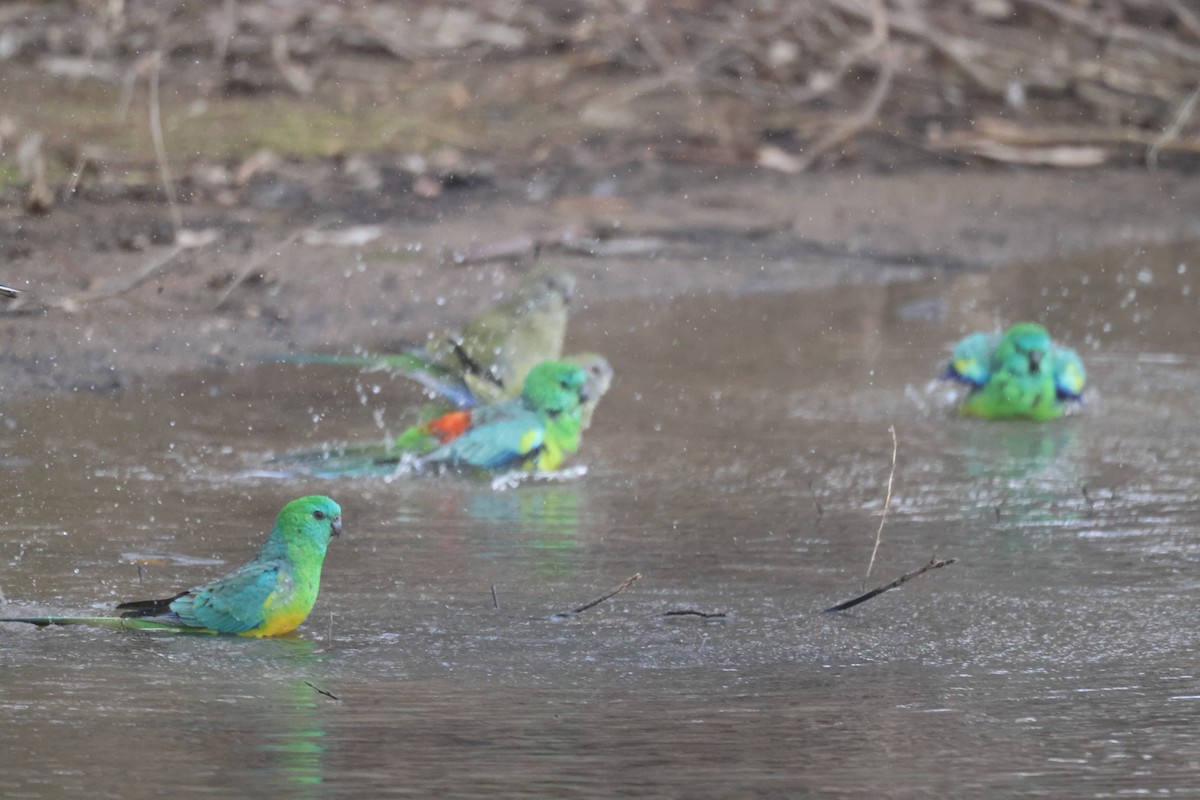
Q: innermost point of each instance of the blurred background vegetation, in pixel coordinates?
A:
(94, 89)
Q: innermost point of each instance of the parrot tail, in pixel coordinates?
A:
(120, 623)
(147, 608)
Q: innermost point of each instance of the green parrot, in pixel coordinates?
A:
(269, 596)
(1020, 374)
(440, 425)
(535, 432)
(489, 359)
(8, 291)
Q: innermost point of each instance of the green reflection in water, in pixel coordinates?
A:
(1030, 470)
(293, 736)
(543, 518)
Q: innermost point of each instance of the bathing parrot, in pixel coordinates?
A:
(489, 359)
(534, 432)
(1020, 374)
(270, 595)
(441, 425)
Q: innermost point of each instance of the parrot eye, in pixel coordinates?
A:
(318, 515)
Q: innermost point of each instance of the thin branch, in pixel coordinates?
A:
(1101, 29)
(869, 114)
(934, 563)
(887, 502)
(319, 690)
(1188, 18)
(692, 612)
(160, 147)
(630, 581)
(1171, 132)
(155, 267)
(262, 258)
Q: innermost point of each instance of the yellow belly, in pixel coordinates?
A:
(277, 624)
(280, 618)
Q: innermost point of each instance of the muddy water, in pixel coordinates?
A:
(739, 464)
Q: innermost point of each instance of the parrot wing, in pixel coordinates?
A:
(234, 603)
(1069, 374)
(495, 445)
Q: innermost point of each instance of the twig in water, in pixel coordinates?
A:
(495, 598)
(319, 690)
(630, 581)
(692, 612)
(887, 502)
(934, 563)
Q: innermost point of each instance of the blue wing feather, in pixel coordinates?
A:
(1069, 374)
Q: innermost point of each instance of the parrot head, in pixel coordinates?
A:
(315, 518)
(1024, 347)
(556, 387)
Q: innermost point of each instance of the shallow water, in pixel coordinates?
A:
(740, 464)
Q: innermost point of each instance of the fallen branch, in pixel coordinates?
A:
(869, 113)
(122, 284)
(1139, 38)
(934, 563)
(262, 258)
(319, 690)
(692, 612)
(630, 581)
(1182, 116)
(887, 503)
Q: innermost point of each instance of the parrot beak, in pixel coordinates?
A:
(336, 526)
(1035, 361)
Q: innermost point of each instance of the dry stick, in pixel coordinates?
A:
(934, 563)
(160, 148)
(119, 286)
(1182, 116)
(319, 690)
(630, 581)
(994, 130)
(692, 612)
(1188, 18)
(887, 502)
(261, 259)
(1101, 29)
(869, 113)
(495, 598)
(77, 173)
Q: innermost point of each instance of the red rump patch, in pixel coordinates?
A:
(449, 426)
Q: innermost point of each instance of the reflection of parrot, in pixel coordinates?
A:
(1020, 374)
(8, 291)
(269, 596)
(441, 425)
(489, 359)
